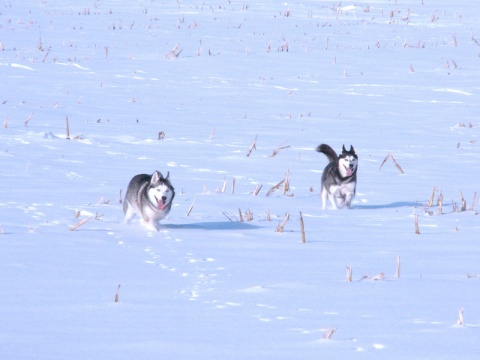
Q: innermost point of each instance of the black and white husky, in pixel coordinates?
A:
(339, 178)
(150, 197)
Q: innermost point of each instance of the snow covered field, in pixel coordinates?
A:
(188, 87)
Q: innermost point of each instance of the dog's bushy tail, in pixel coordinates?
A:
(328, 151)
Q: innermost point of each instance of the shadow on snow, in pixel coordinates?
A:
(388, 206)
(214, 225)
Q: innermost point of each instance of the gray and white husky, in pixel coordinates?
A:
(339, 178)
(150, 197)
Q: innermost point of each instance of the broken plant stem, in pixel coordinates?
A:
(253, 146)
(191, 207)
(282, 225)
(302, 229)
(74, 227)
(116, 293)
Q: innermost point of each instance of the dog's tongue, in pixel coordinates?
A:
(349, 171)
(160, 204)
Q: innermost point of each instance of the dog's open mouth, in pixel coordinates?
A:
(160, 203)
(348, 169)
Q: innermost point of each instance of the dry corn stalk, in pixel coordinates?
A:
(430, 203)
(348, 270)
(68, 129)
(120, 199)
(397, 273)
(191, 207)
(174, 53)
(417, 228)
(302, 229)
(116, 293)
(233, 186)
(464, 203)
(275, 187)
(161, 135)
(5, 124)
(286, 183)
(212, 134)
(460, 321)
(224, 185)
(380, 276)
(440, 203)
(74, 227)
(268, 215)
(240, 215)
(28, 119)
(253, 146)
(257, 189)
(277, 150)
(328, 333)
(397, 165)
(282, 225)
(473, 202)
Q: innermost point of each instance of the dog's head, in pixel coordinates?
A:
(347, 162)
(160, 190)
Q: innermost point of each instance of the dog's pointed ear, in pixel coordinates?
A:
(168, 175)
(343, 149)
(352, 150)
(156, 177)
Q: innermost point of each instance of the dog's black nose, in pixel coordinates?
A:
(164, 198)
(351, 166)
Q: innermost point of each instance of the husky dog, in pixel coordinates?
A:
(150, 197)
(339, 178)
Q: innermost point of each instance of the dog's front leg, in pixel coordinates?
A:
(348, 199)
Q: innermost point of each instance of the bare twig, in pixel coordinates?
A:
(228, 217)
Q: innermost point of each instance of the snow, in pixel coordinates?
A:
(397, 78)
